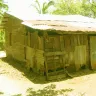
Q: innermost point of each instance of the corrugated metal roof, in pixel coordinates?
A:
(57, 22)
(63, 25)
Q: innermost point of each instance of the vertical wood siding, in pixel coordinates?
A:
(75, 48)
(15, 38)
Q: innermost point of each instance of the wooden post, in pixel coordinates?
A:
(54, 54)
(46, 67)
(45, 59)
(62, 48)
(29, 38)
(78, 40)
(88, 37)
(10, 39)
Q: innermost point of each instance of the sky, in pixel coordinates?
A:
(22, 8)
(19, 6)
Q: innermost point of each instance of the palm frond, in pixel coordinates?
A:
(37, 2)
(46, 6)
(37, 6)
(37, 9)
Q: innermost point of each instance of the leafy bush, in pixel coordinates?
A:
(2, 39)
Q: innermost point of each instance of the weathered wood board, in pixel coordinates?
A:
(93, 51)
(29, 57)
(80, 56)
(35, 59)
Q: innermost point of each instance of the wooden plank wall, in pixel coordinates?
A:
(15, 38)
(34, 52)
(93, 52)
(75, 48)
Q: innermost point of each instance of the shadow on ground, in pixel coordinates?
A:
(46, 91)
(50, 91)
(39, 79)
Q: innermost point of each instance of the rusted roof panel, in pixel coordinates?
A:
(62, 25)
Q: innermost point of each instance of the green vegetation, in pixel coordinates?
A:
(84, 7)
(42, 8)
(3, 8)
(65, 7)
(2, 39)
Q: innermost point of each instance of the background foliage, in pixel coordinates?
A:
(66, 7)
(3, 8)
(82, 7)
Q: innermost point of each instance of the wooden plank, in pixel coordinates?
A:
(45, 62)
(52, 67)
(80, 56)
(82, 39)
(54, 53)
(78, 39)
(39, 59)
(29, 56)
(75, 40)
(34, 40)
(72, 45)
(71, 58)
(85, 42)
(61, 43)
(56, 73)
(93, 51)
(40, 46)
(67, 43)
(29, 39)
(10, 39)
(57, 43)
(46, 68)
(62, 48)
(17, 55)
(57, 77)
(20, 39)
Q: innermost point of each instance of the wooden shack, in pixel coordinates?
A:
(52, 43)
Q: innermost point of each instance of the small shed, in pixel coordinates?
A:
(48, 43)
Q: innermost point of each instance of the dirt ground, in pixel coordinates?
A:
(16, 80)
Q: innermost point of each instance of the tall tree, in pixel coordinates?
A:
(67, 7)
(3, 8)
(42, 8)
(86, 5)
(93, 9)
(83, 7)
